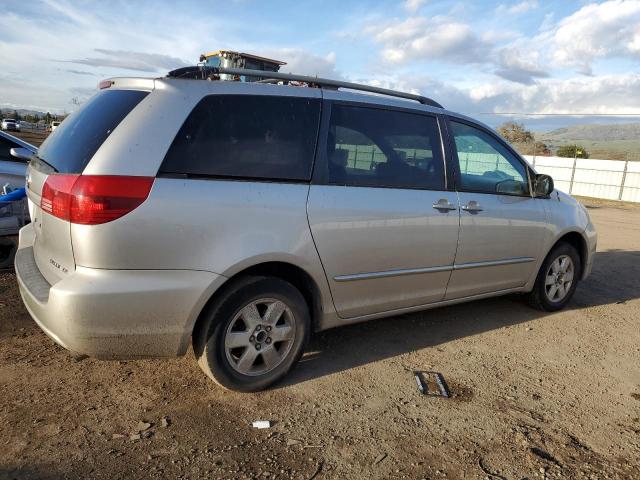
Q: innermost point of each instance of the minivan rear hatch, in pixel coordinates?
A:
(56, 167)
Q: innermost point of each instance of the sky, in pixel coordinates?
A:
(529, 56)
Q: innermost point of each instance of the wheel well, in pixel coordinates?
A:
(285, 271)
(576, 241)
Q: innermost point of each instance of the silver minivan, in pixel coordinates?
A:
(241, 217)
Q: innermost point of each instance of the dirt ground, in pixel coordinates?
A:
(534, 395)
(34, 137)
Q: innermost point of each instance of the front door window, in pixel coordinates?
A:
(486, 165)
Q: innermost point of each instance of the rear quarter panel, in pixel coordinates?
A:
(220, 226)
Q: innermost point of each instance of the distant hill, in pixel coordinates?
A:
(611, 141)
(595, 132)
(21, 111)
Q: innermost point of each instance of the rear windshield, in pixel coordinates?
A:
(70, 147)
(247, 136)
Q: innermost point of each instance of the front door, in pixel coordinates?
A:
(501, 225)
(385, 227)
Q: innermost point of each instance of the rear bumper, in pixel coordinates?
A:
(122, 314)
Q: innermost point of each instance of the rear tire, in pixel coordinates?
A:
(557, 279)
(253, 334)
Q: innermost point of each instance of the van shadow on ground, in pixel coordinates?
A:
(614, 280)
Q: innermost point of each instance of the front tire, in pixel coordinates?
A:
(557, 279)
(253, 334)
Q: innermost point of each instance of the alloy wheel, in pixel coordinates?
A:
(260, 336)
(559, 278)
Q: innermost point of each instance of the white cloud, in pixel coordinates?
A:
(600, 95)
(447, 94)
(305, 63)
(419, 38)
(79, 72)
(519, 8)
(514, 66)
(110, 40)
(127, 60)
(503, 70)
(412, 6)
(36, 39)
(547, 22)
(606, 30)
(617, 94)
(595, 31)
(68, 11)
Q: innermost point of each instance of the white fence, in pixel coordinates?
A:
(608, 179)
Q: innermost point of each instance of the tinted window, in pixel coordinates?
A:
(247, 136)
(72, 144)
(5, 149)
(486, 165)
(386, 148)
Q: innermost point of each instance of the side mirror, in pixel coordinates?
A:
(543, 185)
(21, 153)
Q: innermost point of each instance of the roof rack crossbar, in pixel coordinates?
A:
(204, 71)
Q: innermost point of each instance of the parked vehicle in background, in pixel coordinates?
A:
(53, 125)
(13, 169)
(11, 124)
(240, 217)
(14, 214)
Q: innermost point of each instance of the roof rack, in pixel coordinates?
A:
(204, 72)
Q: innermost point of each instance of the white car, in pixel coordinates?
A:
(10, 124)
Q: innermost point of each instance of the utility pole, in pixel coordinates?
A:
(573, 171)
(624, 176)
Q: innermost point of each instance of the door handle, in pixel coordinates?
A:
(443, 204)
(472, 207)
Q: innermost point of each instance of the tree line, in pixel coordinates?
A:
(47, 118)
(524, 141)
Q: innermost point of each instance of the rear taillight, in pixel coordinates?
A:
(56, 195)
(93, 199)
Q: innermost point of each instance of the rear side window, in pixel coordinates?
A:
(72, 144)
(247, 136)
(384, 148)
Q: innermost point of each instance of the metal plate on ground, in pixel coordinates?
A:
(431, 384)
